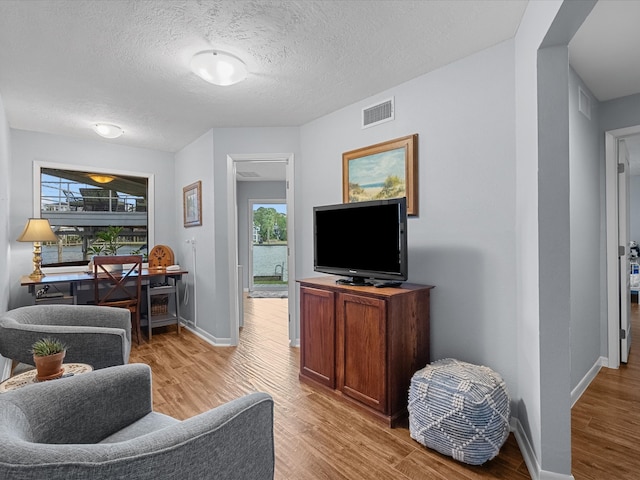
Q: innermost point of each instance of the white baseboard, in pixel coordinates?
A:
(206, 336)
(577, 392)
(529, 455)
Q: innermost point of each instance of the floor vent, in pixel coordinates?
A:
(584, 103)
(379, 113)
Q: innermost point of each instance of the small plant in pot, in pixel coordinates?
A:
(48, 355)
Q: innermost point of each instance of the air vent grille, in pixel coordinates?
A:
(377, 114)
(248, 174)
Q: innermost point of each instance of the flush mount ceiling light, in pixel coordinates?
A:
(107, 130)
(101, 178)
(219, 68)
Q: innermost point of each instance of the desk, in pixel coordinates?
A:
(83, 281)
(29, 377)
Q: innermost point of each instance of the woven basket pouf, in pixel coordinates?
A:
(459, 409)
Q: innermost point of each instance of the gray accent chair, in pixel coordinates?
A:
(99, 336)
(100, 425)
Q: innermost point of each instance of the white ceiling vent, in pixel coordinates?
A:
(248, 174)
(584, 103)
(379, 113)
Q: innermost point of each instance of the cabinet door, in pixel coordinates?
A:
(317, 335)
(362, 356)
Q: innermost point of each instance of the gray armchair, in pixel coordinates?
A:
(101, 425)
(99, 336)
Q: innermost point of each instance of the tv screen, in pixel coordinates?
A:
(365, 241)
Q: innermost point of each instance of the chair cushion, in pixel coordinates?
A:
(147, 424)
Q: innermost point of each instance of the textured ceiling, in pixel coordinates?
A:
(65, 64)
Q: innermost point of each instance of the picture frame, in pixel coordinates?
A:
(384, 170)
(192, 204)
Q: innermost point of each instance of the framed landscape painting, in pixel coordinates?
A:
(384, 170)
(192, 204)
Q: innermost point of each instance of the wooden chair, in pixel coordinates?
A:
(119, 276)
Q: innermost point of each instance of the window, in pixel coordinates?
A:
(93, 212)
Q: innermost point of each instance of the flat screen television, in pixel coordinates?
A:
(365, 241)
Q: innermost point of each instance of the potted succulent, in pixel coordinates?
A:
(48, 355)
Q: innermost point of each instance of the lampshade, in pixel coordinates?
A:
(219, 68)
(108, 130)
(101, 178)
(37, 230)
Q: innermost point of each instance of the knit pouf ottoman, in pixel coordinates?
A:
(459, 409)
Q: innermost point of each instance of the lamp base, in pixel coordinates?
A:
(37, 261)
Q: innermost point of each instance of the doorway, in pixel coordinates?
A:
(268, 244)
(617, 207)
(238, 163)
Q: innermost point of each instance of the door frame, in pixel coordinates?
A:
(612, 260)
(232, 231)
(252, 202)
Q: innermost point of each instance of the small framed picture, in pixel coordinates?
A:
(192, 204)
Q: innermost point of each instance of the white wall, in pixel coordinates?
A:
(252, 191)
(586, 192)
(5, 191)
(28, 147)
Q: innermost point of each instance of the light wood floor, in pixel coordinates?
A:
(316, 435)
(605, 421)
(320, 437)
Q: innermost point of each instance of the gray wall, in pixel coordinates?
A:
(5, 191)
(586, 191)
(252, 191)
(463, 240)
(207, 159)
(195, 244)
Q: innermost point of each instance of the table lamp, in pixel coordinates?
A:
(37, 230)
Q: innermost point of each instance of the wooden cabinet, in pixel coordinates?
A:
(317, 336)
(365, 343)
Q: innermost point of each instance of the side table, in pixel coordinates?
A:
(29, 377)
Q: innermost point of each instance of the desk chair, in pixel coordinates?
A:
(121, 282)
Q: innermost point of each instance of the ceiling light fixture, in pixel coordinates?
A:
(108, 130)
(101, 178)
(219, 68)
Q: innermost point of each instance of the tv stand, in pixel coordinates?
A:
(364, 343)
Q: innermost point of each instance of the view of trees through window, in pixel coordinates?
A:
(92, 214)
(269, 246)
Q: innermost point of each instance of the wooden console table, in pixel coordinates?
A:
(75, 282)
(364, 343)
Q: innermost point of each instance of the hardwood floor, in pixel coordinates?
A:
(320, 437)
(317, 436)
(605, 421)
